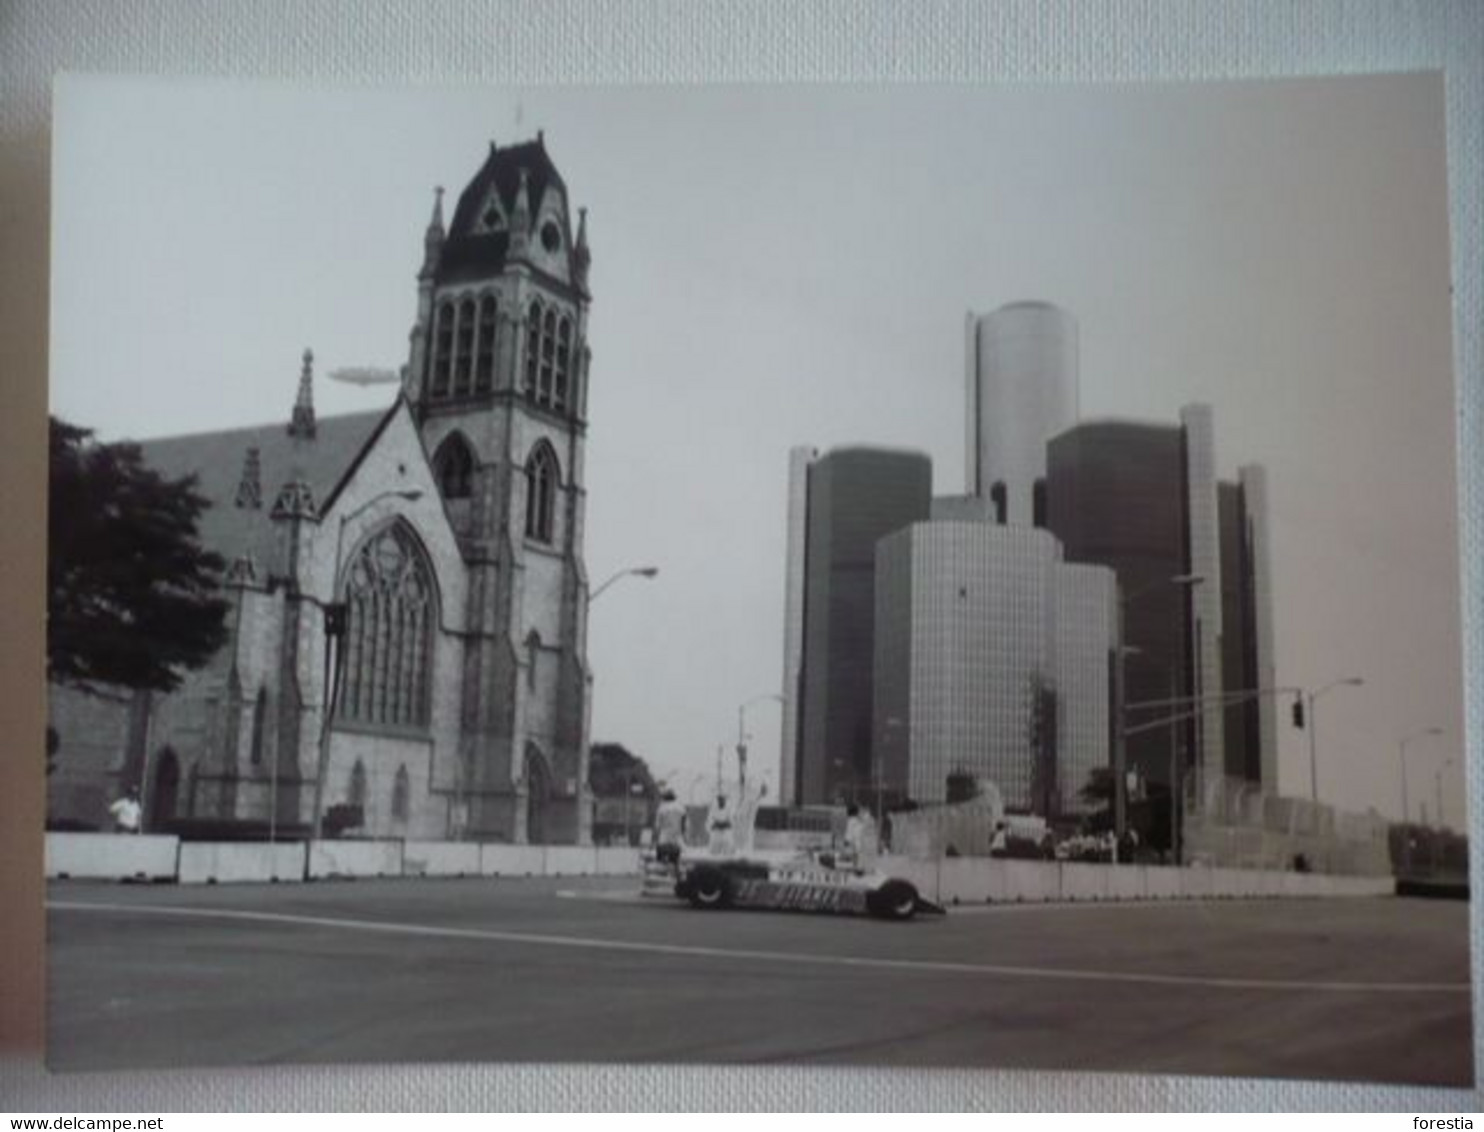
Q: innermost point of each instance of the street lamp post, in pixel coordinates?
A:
(1438, 783)
(628, 572)
(334, 615)
(890, 726)
(742, 734)
(1346, 682)
(1405, 740)
(583, 798)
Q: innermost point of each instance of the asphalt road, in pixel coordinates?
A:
(584, 971)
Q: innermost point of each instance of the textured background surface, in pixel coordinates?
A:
(389, 41)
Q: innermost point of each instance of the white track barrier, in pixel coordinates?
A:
(230, 862)
(111, 856)
(512, 860)
(355, 859)
(440, 859)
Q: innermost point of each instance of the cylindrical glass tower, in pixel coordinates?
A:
(1022, 391)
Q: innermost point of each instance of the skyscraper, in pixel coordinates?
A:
(1021, 386)
(1190, 554)
(799, 460)
(992, 661)
(852, 497)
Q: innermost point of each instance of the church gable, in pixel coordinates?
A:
(390, 479)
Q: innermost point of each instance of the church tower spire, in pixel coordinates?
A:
(301, 423)
(581, 257)
(433, 238)
(520, 219)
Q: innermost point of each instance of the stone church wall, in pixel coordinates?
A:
(94, 738)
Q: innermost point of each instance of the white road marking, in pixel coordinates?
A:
(748, 955)
(622, 896)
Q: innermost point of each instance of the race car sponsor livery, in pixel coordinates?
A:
(805, 886)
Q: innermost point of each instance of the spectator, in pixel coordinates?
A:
(126, 812)
(669, 829)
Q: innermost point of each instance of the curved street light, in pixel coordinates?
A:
(1343, 682)
(583, 799)
(629, 572)
(1406, 739)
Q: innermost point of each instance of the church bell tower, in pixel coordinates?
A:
(497, 380)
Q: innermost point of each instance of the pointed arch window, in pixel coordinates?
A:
(543, 478)
(401, 792)
(454, 467)
(463, 359)
(533, 347)
(259, 726)
(356, 792)
(563, 364)
(484, 360)
(442, 350)
(548, 358)
(391, 610)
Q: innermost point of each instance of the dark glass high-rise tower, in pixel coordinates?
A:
(853, 497)
(1191, 558)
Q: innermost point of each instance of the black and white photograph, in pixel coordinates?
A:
(837, 575)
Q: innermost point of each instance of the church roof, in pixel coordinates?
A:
(238, 522)
(470, 250)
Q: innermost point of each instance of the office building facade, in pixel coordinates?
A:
(799, 460)
(1191, 555)
(992, 660)
(852, 497)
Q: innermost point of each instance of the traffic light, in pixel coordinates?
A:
(1298, 714)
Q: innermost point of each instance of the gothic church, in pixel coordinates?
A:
(415, 574)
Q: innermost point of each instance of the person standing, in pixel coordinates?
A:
(720, 841)
(669, 829)
(126, 812)
(855, 834)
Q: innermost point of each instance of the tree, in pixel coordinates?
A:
(132, 598)
(1098, 790)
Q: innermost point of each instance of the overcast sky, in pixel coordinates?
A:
(784, 265)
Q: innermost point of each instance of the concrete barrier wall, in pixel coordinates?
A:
(923, 873)
(571, 860)
(976, 880)
(355, 858)
(1084, 882)
(235, 862)
(512, 860)
(617, 861)
(440, 859)
(111, 856)
(964, 880)
(1032, 881)
(1128, 882)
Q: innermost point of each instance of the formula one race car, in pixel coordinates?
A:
(807, 884)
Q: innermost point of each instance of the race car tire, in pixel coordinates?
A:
(708, 887)
(894, 900)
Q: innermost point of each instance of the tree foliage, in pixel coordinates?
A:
(132, 598)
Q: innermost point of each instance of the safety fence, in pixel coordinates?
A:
(981, 880)
(158, 857)
(951, 880)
